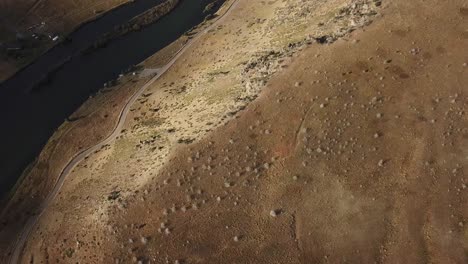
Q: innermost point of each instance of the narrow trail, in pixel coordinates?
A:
(31, 223)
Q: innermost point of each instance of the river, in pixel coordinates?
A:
(30, 116)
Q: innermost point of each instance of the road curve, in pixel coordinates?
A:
(31, 223)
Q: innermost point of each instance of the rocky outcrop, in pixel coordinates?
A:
(355, 14)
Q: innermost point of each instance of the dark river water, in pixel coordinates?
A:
(29, 117)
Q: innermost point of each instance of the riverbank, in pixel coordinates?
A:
(136, 23)
(35, 44)
(95, 118)
(42, 108)
(27, 31)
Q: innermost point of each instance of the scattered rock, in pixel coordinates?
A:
(114, 195)
(275, 212)
(381, 163)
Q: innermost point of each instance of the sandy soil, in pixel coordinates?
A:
(263, 146)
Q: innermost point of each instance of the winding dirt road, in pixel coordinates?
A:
(20, 242)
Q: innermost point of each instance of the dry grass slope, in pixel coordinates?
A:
(290, 134)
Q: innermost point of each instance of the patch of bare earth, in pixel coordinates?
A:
(354, 151)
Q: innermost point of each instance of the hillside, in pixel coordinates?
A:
(291, 131)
